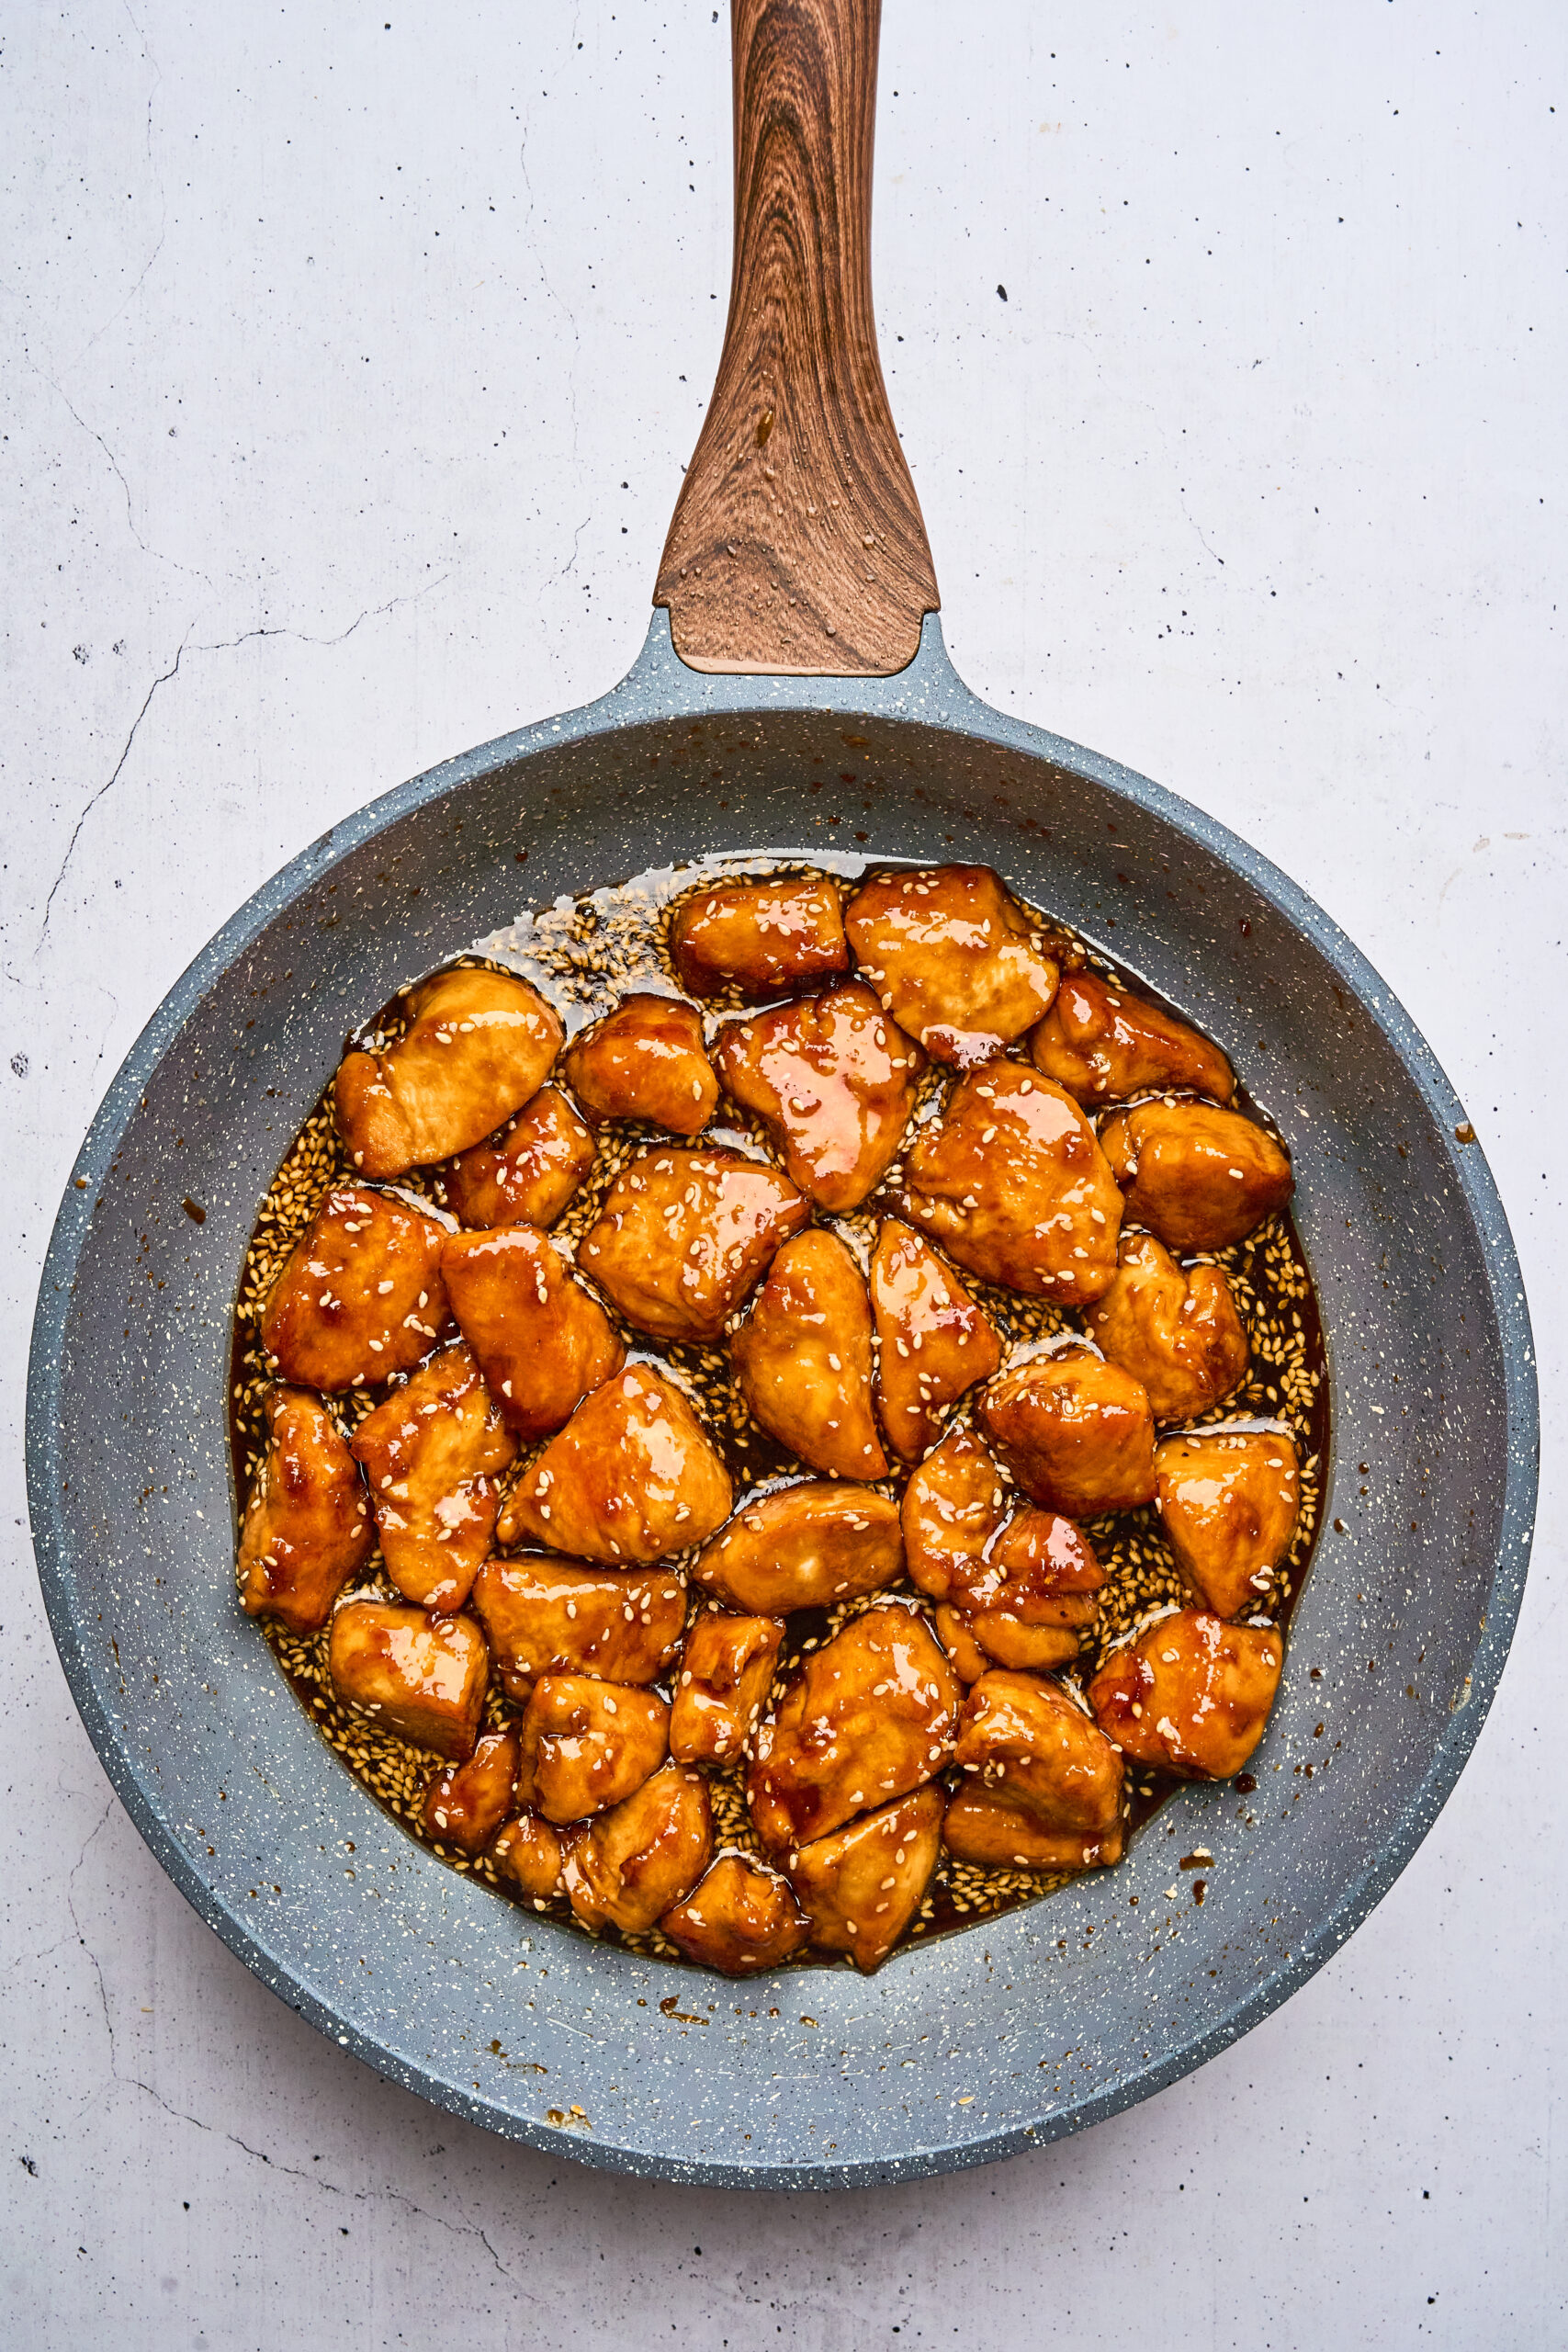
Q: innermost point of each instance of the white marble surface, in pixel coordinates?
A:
(349, 366)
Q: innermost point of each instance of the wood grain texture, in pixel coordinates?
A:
(796, 544)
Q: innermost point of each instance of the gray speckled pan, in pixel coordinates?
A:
(994, 2038)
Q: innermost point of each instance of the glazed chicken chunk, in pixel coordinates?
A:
(631, 1864)
(1024, 1582)
(1190, 1695)
(1228, 1502)
(933, 1342)
(1077, 1432)
(1198, 1176)
(833, 1078)
(431, 1452)
(529, 1854)
(1042, 1785)
(646, 1061)
(725, 1678)
(466, 1803)
(1013, 1185)
(805, 1547)
(529, 1174)
(630, 1478)
(543, 1341)
(957, 962)
(1102, 1044)
(544, 1615)
(759, 938)
(306, 1527)
(861, 1887)
(478, 1045)
(741, 1916)
(421, 1677)
(586, 1744)
(802, 1358)
(869, 1716)
(360, 1295)
(1175, 1330)
(685, 1235)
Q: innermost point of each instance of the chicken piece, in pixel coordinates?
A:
(466, 1803)
(586, 1745)
(758, 937)
(685, 1235)
(542, 1339)
(741, 1916)
(1198, 1176)
(636, 1861)
(805, 1547)
(833, 1080)
(431, 1452)
(1102, 1044)
(726, 1675)
(307, 1526)
(933, 1342)
(869, 1716)
(861, 1887)
(360, 1294)
(1190, 1695)
(630, 1478)
(966, 1658)
(421, 1677)
(1228, 1502)
(1174, 1328)
(1024, 1582)
(1075, 1431)
(646, 1061)
(802, 1358)
(551, 1616)
(529, 1173)
(478, 1045)
(529, 1854)
(1013, 1185)
(1028, 1752)
(957, 962)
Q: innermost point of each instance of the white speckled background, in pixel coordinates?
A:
(348, 368)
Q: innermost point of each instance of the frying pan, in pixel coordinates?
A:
(792, 695)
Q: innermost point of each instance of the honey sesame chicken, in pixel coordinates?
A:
(360, 1295)
(645, 1061)
(630, 1478)
(1102, 1044)
(545, 1615)
(1228, 1502)
(423, 1677)
(802, 1358)
(1190, 1695)
(529, 1172)
(528, 1854)
(833, 1077)
(478, 1045)
(586, 1744)
(727, 1670)
(465, 1804)
(1013, 1185)
(739, 1918)
(861, 1887)
(804, 1546)
(967, 1659)
(1197, 1176)
(542, 1339)
(1024, 1582)
(1077, 1432)
(934, 1341)
(1175, 1328)
(431, 1452)
(684, 1237)
(869, 1716)
(1041, 1785)
(644, 1856)
(307, 1530)
(954, 957)
(759, 938)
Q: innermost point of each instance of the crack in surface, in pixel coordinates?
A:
(108, 786)
(157, 178)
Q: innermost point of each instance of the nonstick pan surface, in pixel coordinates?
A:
(993, 2038)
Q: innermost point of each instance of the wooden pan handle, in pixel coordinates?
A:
(796, 544)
